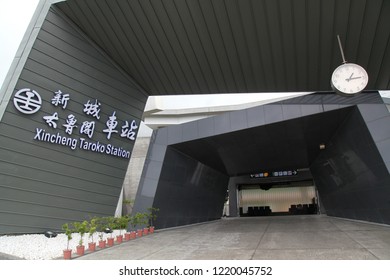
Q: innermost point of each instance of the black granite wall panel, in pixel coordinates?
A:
(351, 174)
(188, 191)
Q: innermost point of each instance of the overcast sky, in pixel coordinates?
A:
(15, 15)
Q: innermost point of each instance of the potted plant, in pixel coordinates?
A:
(117, 225)
(152, 216)
(81, 228)
(138, 219)
(133, 223)
(101, 225)
(111, 222)
(133, 234)
(127, 236)
(68, 232)
(92, 227)
(122, 223)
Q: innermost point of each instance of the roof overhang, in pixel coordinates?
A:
(225, 46)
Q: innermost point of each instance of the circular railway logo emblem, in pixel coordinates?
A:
(27, 101)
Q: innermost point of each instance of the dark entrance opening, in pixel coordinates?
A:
(338, 141)
(275, 199)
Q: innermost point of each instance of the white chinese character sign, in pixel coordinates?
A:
(128, 131)
(87, 128)
(51, 120)
(71, 129)
(70, 124)
(60, 99)
(92, 109)
(111, 125)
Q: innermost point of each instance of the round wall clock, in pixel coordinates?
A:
(349, 79)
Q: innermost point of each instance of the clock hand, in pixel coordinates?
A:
(350, 77)
(354, 78)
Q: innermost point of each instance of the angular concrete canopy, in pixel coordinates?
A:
(224, 46)
(189, 166)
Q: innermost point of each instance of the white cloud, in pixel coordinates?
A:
(15, 16)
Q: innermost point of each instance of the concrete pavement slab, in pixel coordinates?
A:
(307, 240)
(314, 254)
(281, 238)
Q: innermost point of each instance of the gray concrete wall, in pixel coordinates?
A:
(43, 184)
(133, 174)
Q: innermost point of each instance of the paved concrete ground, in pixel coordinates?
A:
(316, 237)
(4, 256)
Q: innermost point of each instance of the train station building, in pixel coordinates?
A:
(73, 101)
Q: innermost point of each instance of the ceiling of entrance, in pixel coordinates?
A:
(286, 145)
(223, 46)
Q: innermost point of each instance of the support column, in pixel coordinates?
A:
(233, 207)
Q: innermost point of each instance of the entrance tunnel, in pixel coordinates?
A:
(324, 139)
(278, 198)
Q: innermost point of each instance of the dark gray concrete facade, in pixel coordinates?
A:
(279, 136)
(45, 184)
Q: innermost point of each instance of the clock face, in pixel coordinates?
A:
(349, 78)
